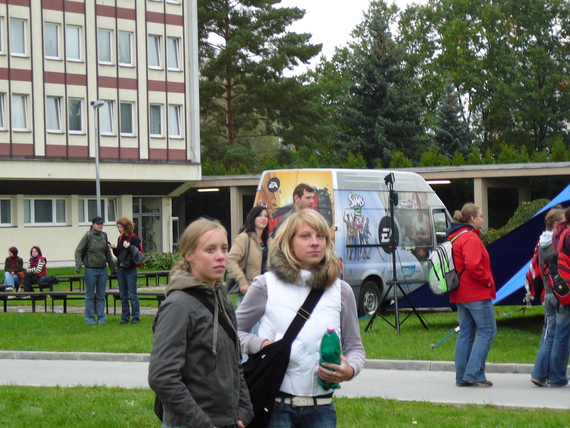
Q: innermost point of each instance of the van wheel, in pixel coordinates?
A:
(369, 299)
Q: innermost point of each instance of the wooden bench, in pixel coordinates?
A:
(143, 295)
(64, 296)
(156, 275)
(24, 296)
(72, 279)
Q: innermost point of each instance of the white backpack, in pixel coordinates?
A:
(442, 276)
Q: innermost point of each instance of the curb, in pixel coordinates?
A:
(435, 366)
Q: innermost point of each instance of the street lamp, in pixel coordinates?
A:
(96, 105)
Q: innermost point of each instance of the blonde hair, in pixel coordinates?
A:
(553, 216)
(464, 216)
(191, 237)
(283, 242)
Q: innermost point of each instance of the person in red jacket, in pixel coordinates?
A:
(473, 297)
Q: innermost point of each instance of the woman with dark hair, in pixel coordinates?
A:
(127, 248)
(248, 256)
(36, 269)
(473, 297)
(302, 259)
(13, 270)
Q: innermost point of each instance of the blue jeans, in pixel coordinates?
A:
(470, 353)
(542, 364)
(95, 284)
(128, 291)
(286, 416)
(557, 372)
(11, 280)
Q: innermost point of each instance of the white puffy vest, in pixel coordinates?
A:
(283, 301)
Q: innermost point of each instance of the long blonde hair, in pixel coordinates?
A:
(283, 242)
(464, 216)
(190, 239)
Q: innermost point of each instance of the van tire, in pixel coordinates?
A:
(369, 297)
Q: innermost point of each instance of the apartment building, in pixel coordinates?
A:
(129, 67)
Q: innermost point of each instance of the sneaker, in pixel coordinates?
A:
(538, 382)
(463, 384)
(484, 383)
(124, 322)
(9, 289)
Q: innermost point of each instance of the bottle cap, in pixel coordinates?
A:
(331, 328)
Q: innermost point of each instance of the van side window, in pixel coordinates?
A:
(441, 223)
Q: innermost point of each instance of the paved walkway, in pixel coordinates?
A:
(400, 380)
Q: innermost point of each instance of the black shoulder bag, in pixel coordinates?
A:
(265, 370)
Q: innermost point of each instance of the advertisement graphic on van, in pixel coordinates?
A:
(355, 203)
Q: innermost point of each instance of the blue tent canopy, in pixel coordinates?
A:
(511, 254)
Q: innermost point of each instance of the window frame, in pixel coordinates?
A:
(109, 32)
(30, 211)
(57, 41)
(107, 110)
(3, 111)
(107, 207)
(67, 38)
(69, 120)
(26, 114)
(130, 38)
(178, 116)
(132, 114)
(177, 41)
(157, 43)
(160, 123)
(2, 212)
(57, 109)
(13, 37)
(2, 37)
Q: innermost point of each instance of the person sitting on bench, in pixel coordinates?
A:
(36, 269)
(13, 271)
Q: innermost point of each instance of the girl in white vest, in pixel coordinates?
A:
(302, 257)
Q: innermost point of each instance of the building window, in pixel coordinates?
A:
(156, 120)
(173, 53)
(44, 211)
(53, 113)
(88, 210)
(154, 56)
(73, 43)
(174, 128)
(106, 117)
(125, 48)
(127, 120)
(1, 35)
(5, 212)
(2, 110)
(19, 112)
(75, 115)
(51, 40)
(104, 38)
(17, 37)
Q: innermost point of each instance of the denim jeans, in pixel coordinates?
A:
(542, 364)
(128, 291)
(10, 279)
(95, 284)
(286, 416)
(557, 373)
(470, 353)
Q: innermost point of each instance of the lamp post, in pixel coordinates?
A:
(96, 105)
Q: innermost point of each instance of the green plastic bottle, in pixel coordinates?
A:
(329, 353)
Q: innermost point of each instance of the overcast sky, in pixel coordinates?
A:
(331, 21)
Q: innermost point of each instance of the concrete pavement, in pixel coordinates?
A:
(400, 380)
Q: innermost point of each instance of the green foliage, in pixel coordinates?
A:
(398, 160)
(354, 161)
(474, 157)
(489, 158)
(433, 157)
(559, 151)
(540, 156)
(161, 261)
(523, 214)
(458, 159)
(510, 154)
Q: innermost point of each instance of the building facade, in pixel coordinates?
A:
(129, 67)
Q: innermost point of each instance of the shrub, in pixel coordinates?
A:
(160, 261)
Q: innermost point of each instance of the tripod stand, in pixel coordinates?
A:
(393, 284)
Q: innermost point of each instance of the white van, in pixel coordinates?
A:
(355, 203)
